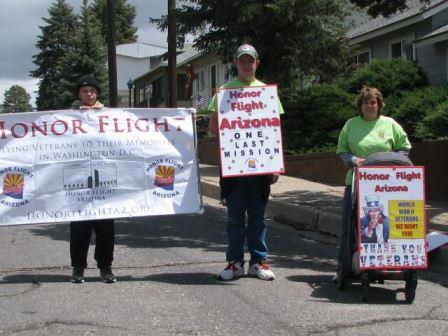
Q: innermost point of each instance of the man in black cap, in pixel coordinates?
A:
(87, 91)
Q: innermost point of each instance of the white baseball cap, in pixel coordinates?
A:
(246, 49)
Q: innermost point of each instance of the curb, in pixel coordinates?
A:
(311, 219)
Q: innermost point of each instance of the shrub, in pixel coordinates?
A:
(386, 75)
(435, 124)
(410, 108)
(314, 117)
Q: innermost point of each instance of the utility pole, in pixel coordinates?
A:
(111, 54)
(172, 66)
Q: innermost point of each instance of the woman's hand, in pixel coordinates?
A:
(359, 162)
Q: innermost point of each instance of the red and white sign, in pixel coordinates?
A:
(110, 163)
(391, 217)
(249, 131)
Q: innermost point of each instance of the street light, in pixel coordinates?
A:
(130, 85)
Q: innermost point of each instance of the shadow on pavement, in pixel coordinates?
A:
(35, 279)
(169, 278)
(325, 289)
(208, 233)
(187, 279)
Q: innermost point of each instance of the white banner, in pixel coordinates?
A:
(391, 217)
(249, 131)
(111, 163)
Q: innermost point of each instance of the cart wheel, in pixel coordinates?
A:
(365, 287)
(410, 287)
(342, 281)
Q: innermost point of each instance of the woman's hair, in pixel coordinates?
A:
(368, 93)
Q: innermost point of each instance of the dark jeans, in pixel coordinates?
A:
(344, 257)
(80, 233)
(246, 197)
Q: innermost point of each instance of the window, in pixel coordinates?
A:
(213, 77)
(200, 81)
(229, 72)
(395, 50)
(363, 57)
(141, 95)
(182, 94)
(402, 48)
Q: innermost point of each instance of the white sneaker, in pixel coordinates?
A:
(233, 270)
(261, 271)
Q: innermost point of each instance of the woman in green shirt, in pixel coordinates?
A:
(361, 136)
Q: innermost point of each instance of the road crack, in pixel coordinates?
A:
(45, 325)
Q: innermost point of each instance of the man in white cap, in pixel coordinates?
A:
(245, 194)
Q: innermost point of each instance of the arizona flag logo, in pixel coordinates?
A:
(13, 185)
(164, 177)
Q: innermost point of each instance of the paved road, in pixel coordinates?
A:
(166, 269)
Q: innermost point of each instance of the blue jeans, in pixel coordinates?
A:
(344, 257)
(246, 196)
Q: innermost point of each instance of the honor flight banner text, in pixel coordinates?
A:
(249, 131)
(110, 163)
(391, 217)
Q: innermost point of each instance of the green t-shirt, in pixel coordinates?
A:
(363, 138)
(236, 83)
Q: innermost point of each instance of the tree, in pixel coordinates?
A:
(88, 56)
(294, 38)
(16, 100)
(124, 20)
(57, 37)
(383, 7)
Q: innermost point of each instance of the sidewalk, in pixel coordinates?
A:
(316, 207)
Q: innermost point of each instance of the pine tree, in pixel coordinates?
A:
(124, 20)
(295, 39)
(87, 57)
(57, 37)
(383, 7)
(16, 100)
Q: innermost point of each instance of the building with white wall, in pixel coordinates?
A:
(133, 60)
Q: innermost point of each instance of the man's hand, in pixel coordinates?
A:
(95, 106)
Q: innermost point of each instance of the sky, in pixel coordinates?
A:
(19, 29)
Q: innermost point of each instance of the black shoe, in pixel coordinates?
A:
(77, 275)
(107, 276)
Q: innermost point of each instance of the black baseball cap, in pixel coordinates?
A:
(87, 80)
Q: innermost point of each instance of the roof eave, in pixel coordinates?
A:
(178, 65)
(431, 40)
(387, 29)
(150, 72)
(400, 24)
(192, 58)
